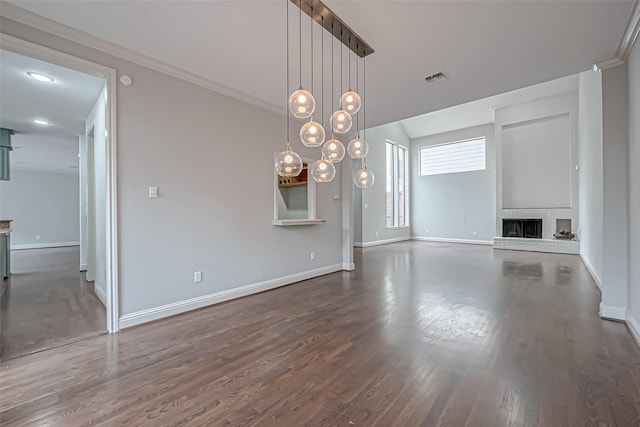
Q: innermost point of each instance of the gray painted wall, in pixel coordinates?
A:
(615, 137)
(634, 183)
(374, 198)
(455, 205)
(41, 203)
(212, 215)
(590, 174)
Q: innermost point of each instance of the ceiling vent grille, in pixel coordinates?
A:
(437, 77)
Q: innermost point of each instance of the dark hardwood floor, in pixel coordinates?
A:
(420, 334)
(47, 302)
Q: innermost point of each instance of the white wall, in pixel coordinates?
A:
(633, 313)
(41, 204)
(545, 113)
(212, 215)
(590, 173)
(615, 137)
(83, 202)
(455, 205)
(374, 199)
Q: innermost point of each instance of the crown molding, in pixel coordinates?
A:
(630, 33)
(609, 63)
(55, 28)
(629, 37)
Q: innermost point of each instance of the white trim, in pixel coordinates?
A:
(348, 266)
(43, 245)
(100, 294)
(156, 313)
(629, 37)
(634, 327)
(83, 267)
(380, 242)
(289, 222)
(613, 313)
(55, 28)
(630, 33)
(608, 63)
(592, 271)
(109, 74)
(445, 240)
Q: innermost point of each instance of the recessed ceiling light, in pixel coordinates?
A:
(40, 77)
(41, 122)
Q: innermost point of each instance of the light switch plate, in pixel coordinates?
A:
(153, 192)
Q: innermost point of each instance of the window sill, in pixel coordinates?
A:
(288, 222)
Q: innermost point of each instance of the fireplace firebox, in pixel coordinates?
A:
(527, 228)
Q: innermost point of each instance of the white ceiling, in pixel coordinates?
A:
(45, 153)
(482, 111)
(486, 47)
(64, 103)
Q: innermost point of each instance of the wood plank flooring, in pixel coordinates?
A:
(47, 302)
(421, 333)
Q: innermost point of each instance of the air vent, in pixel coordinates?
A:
(437, 77)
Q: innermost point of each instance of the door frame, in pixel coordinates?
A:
(42, 53)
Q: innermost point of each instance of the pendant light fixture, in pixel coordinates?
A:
(323, 170)
(350, 100)
(312, 133)
(340, 120)
(301, 102)
(357, 148)
(333, 150)
(288, 163)
(363, 178)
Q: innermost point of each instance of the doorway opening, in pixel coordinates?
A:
(61, 285)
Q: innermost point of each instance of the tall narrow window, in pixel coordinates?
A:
(396, 185)
(389, 184)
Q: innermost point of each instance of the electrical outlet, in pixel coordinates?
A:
(475, 233)
(197, 277)
(427, 231)
(377, 234)
(312, 256)
(37, 237)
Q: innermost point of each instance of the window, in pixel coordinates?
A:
(462, 156)
(397, 163)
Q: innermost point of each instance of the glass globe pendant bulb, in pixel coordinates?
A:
(288, 163)
(363, 178)
(350, 102)
(333, 150)
(341, 121)
(312, 134)
(323, 171)
(301, 104)
(357, 148)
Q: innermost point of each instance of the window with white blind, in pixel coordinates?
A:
(461, 156)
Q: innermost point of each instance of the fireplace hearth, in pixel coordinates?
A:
(525, 228)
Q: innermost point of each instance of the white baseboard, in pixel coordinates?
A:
(634, 327)
(83, 267)
(380, 242)
(348, 266)
(445, 240)
(613, 313)
(100, 294)
(156, 313)
(592, 271)
(43, 245)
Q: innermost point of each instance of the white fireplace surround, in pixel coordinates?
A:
(538, 187)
